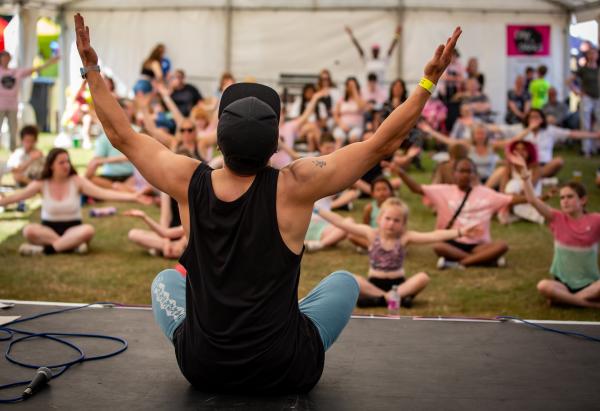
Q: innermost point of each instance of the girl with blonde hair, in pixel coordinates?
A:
(387, 248)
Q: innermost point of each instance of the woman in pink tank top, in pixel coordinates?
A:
(349, 115)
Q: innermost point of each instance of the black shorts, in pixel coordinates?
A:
(467, 248)
(118, 179)
(572, 290)
(386, 284)
(60, 227)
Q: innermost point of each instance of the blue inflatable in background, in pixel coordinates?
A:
(165, 63)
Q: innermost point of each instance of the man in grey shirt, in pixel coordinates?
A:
(589, 91)
(556, 111)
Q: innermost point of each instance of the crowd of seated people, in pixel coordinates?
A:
(486, 168)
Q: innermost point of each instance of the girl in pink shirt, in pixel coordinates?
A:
(576, 278)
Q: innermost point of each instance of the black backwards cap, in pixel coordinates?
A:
(248, 129)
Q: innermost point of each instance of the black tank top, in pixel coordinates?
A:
(180, 149)
(175, 217)
(148, 72)
(243, 330)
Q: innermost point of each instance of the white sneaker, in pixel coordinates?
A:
(442, 263)
(27, 249)
(501, 262)
(154, 252)
(550, 181)
(313, 245)
(82, 248)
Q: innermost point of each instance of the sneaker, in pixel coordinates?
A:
(82, 248)
(313, 245)
(550, 181)
(154, 252)
(442, 263)
(407, 301)
(361, 250)
(370, 302)
(501, 262)
(21, 207)
(27, 249)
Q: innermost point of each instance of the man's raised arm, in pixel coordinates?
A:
(315, 178)
(162, 168)
(354, 41)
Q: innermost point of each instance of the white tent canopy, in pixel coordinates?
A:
(263, 38)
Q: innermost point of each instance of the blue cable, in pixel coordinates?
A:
(549, 329)
(10, 332)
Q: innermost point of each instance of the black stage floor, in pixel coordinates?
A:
(377, 364)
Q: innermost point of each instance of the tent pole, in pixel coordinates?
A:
(21, 45)
(63, 66)
(400, 52)
(567, 57)
(228, 34)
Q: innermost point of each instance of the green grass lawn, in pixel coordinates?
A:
(116, 270)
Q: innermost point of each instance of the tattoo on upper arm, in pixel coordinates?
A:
(319, 163)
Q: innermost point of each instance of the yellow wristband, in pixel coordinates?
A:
(427, 84)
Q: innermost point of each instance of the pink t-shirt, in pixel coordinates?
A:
(9, 88)
(288, 131)
(378, 96)
(481, 205)
(350, 113)
(583, 232)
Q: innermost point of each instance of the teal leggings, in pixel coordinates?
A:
(329, 305)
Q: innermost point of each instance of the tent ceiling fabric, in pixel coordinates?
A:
(583, 10)
(558, 5)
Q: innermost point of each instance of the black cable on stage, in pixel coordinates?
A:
(43, 374)
(549, 329)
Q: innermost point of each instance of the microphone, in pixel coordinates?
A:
(42, 376)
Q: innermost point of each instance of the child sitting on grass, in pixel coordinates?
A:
(387, 248)
(576, 278)
(381, 190)
(170, 242)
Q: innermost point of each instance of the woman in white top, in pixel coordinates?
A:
(349, 115)
(61, 228)
(327, 104)
(543, 136)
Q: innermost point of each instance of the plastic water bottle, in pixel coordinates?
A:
(394, 302)
(103, 211)
(77, 141)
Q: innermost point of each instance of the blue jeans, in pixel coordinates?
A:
(589, 107)
(329, 305)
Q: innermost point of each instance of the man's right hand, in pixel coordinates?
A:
(441, 58)
(86, 52)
